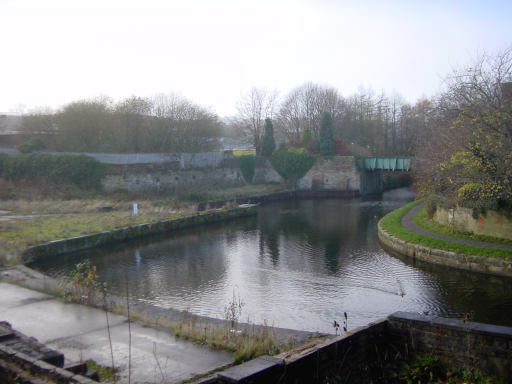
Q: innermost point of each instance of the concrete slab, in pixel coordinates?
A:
(81, 333)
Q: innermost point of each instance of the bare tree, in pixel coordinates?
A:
(469, 153)
(133, 115)
(303, 107)
(253, 108)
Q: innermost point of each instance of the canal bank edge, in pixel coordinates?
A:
(484, 264)
(79, 243)
(248, 207)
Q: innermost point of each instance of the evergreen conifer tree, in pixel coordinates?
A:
(326, 135)
(269, 144)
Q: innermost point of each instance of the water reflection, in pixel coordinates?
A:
(298, 264)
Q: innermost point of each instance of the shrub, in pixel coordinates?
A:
(34, 144)
(246, 164)
(82, 171)
(292, 163)
(340, 148)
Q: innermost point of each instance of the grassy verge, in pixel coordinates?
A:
(245, 341)
(422, 220)
(244, 152)
(25, 231)
(25, 222)
(391, 224)
(245, 344)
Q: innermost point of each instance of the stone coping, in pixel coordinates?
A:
(468, 326)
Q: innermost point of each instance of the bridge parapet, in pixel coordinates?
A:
(386, 163)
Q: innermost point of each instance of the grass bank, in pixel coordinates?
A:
(391, 223)
(24, 231)
(28, 222)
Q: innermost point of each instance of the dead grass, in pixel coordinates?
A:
(60, 219)
(40, 217)
(243, 340)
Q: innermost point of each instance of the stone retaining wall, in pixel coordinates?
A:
(334, 173)
(373, 354)
(90, 241)
(491, 223)
(169, 178)
(486, 264)
(458, 344)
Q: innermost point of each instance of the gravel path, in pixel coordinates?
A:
(409, 224)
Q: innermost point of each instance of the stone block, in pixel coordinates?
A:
(262, 369)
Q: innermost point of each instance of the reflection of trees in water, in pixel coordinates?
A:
(320, 225)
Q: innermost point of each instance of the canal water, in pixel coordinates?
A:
(298, 264)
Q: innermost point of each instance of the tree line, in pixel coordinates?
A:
(460, 140)
(366, 123)
(163, 123)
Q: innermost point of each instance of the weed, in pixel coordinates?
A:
(105, 373)
(425, 369)
(233, 311)
(85, 282)
(336, 325)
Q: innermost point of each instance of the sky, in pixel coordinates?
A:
(213, 51)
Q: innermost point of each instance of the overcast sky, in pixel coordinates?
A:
(211, 51)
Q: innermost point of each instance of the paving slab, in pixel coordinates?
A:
(81, 333)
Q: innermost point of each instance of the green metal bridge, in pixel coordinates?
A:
(386, 163)
(372, 169)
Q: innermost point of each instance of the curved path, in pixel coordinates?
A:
(408, 223)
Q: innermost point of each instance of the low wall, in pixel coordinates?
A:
(493, 265)
(183, 160)
(491, 223)
(458, 344)
(90, 241)
(169, 178)
(378, 351)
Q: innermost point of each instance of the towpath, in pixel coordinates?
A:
(408, 223)
(81, 333)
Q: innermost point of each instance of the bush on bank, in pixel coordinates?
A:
(292, 163)
(82, 171)
(247, 164)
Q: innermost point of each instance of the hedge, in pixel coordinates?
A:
(80, 170)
